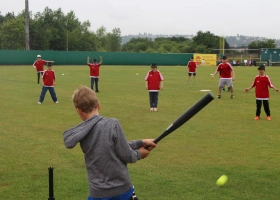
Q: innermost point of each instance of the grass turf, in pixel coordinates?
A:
(221, 139)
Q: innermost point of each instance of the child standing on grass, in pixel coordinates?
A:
(39, 66)
(105, 149)
(154, 83)
(192, 70)
(48, 81)
(261, 84)
(94, 72)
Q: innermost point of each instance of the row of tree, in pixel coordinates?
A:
(54, 30)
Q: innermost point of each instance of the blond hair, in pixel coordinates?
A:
(85, 99)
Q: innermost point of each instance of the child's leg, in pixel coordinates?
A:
(194, 76)
(91, 82)
(266, 107)
(133, 197)
(189, 77)
(259, 105)
(43, 93)
(53, 94)
(38, 75)
(156, 99)
(151, 99)
(96, 84)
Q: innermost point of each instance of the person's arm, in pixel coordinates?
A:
(34, 65)
(249, 88)
(214, 74)
(232, 75)
(100, 62)
(53, 79)
(161, 85)
(128, 152)
(88, 60)
(275, 89)
(43, 79)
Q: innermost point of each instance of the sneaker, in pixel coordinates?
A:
(155, 109)
(219, 96)
(257, 118)
(232, 96)
(56, 102)
(96, 90)
(39, 102)
(268, 118)
(151, 109)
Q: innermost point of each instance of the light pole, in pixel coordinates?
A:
(27, 47)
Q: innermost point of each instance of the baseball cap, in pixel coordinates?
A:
(224, 57)
(191, 57)
(94, 60)
(261, 67)
(153, 65)
(38, 56)
(49, 64)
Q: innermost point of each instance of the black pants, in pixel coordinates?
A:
(38, 74)
(94, 80)
(265, 106)
(153, 99)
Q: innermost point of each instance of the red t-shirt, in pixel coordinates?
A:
(192, 66)
(154, 79)
(39, 64)
(48, 78)
(225, 70)
(261, 84)
(94, 69)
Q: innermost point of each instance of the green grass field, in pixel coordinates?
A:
(223, 138)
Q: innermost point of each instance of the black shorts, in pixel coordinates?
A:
(194, 74)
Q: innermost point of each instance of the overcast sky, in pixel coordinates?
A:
(221, 17)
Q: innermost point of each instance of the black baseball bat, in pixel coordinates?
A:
(186, 116)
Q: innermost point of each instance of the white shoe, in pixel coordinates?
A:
(56, 102)
(155, 109)
(39, 102)
(151, 109)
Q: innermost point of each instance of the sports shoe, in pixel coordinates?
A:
(39, 102)
(96, 90)
(155, 109)
(219, 96)
(232, 96)
(257, 118)
(268, 118)
(151, 109)
(56, 102)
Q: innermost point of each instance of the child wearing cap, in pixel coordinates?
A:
(192, 70)
(226, 76)
(154, 83)
(94, 72)
(106, 150)
(39, 66)
(48, 82)
(261, 84)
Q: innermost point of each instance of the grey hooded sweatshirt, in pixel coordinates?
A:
(106, 153)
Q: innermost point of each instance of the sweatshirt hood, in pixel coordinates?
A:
(74, 135)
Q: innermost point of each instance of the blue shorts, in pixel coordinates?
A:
(125, 196)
